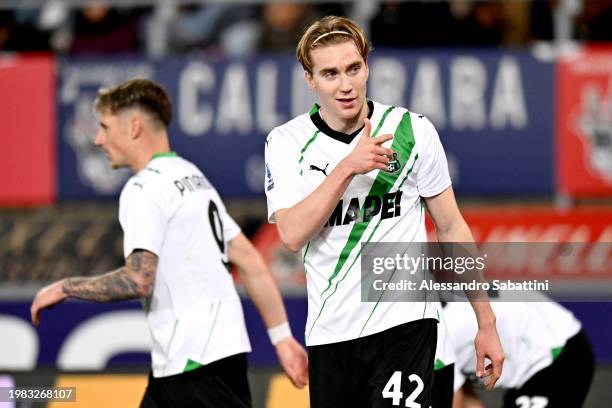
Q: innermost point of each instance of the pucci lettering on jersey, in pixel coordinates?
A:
(388, 205)
(191, 184)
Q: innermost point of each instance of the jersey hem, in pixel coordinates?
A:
(340, 339)
(210, 359)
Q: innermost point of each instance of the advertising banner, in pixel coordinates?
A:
(521, 241)
(87, 336)
(27, 129)
(493, 111)
(584, 123)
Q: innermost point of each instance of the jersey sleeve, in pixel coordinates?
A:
(282, 179)
(432, 174)
(142, 219)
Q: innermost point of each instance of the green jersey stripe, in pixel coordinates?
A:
(382, 120)
(411, 240)
(305, 252)
(556, 352)
(312, 139)
(439, 364)
(191, 365)
(403, 144)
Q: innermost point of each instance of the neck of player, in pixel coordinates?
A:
(345, 125)
(152, 145)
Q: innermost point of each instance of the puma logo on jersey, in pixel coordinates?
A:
(315, 168)
(388, 206)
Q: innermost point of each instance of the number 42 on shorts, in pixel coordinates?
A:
(393, 390)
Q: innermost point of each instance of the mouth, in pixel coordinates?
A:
(346, 102)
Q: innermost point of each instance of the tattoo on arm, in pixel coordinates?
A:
(133, 280)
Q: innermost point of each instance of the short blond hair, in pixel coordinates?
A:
(331, 30)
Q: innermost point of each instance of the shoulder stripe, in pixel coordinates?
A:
(308, 143)
(382, 120)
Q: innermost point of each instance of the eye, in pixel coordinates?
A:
(354, 69)
(329, 75)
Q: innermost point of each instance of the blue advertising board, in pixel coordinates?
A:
(493, 111)
(79, 335)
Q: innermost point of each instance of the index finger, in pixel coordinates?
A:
(382, 138)
(480, 363)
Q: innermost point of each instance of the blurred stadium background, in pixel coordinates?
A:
(520, 91)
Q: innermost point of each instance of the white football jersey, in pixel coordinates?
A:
(194, 314)
(380, 206)
(532, 335)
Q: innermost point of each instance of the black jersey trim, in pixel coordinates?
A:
(334, 134)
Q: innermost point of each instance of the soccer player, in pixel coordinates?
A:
(178, 239)
(321, 167)
(550, 360)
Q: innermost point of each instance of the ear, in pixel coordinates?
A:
(309, 81)
(136, 126)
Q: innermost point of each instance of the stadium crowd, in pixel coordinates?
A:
(232, 29)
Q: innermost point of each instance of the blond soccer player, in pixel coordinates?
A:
(322, 167)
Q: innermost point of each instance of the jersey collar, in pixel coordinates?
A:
(339, 136)
(166, 154)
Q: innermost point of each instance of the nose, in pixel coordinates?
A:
(345, 84)
(99, 140)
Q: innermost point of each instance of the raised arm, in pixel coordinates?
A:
(262, 289)
(132, 281)
(451, 227)
(297, 225)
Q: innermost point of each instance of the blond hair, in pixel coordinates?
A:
(331, 30)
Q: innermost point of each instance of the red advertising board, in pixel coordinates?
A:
(27, 128)
(523, 233)
(539, 224)
(543, 243)
(584, 122)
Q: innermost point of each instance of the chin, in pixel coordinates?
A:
(349, 114)
(352, 112)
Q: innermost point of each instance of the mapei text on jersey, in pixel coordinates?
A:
(388, 206)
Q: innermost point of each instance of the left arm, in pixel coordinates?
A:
(132, 281)
(262, 289)
(451, 227)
